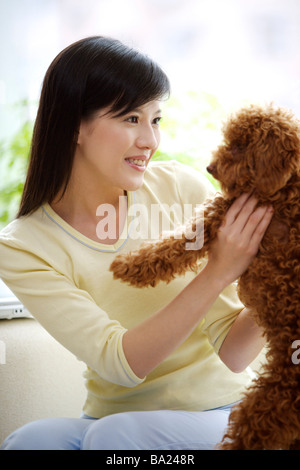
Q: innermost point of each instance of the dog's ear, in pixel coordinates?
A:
(277, 158)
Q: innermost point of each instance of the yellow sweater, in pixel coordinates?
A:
(63, 278)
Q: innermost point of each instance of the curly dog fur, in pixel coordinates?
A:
(260, 153)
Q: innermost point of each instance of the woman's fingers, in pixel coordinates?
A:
(258, 223)
(235, 209)
(245, 219)
(239, 236)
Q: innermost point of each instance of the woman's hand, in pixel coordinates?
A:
(239, 237)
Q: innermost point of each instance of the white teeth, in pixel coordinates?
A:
(137, 162)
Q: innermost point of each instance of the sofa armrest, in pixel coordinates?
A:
(39, 378)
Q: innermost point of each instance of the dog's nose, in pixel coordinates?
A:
(211, 168)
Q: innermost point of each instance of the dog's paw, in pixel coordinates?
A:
(135, 270)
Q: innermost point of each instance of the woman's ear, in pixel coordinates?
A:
(78, 136)
(86, 128)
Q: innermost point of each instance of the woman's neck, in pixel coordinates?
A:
(85, 206)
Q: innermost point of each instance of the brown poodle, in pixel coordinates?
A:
(260, 153)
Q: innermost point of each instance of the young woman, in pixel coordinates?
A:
(164, 365)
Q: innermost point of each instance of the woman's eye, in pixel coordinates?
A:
(133, 119)
(157, 120)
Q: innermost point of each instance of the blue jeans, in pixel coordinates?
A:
(138, 430)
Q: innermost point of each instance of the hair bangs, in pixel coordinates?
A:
(124, 83)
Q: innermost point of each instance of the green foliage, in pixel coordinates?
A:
(191, 130)
(13, 164)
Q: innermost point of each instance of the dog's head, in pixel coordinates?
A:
(260, 151)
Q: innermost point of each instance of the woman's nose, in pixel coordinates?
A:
(148, 138)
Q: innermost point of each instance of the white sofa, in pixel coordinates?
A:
(39, 378)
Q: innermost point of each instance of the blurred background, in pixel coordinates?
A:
(219, 55)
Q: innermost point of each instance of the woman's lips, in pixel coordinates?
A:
(137, 163)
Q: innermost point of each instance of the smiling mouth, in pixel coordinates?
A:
(136, 161)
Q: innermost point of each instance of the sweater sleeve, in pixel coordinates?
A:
(68, 313)
(193, 187)
(220, 319)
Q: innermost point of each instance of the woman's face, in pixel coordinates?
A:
(116, 150)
